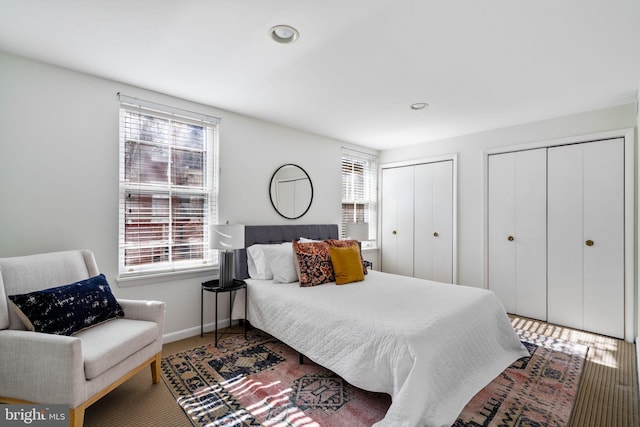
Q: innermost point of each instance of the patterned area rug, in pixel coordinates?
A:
(536, 391)
(261, 382)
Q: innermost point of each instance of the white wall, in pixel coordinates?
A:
(59, 174)
(470, 148)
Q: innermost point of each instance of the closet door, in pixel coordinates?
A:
(586, 236)
(517, 231)
(397, 220)
(433, 219)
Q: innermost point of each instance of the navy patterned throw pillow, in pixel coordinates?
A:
(68, 309)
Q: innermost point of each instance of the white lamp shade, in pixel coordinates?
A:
(358, 231)
(227, 236)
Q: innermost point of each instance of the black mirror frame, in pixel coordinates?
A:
(271, 195)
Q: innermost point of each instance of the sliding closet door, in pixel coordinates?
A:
(433, 219)
(397, 220)
(517, 231)
(586, 236)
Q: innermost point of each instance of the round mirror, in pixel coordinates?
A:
(291, 191)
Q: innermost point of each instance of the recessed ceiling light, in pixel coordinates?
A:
(284, 33)
(419, 105)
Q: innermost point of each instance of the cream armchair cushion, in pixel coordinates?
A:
(79, 369)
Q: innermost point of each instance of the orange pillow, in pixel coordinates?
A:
(347, 266)
(345, 243)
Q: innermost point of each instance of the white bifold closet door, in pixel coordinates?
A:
(433, 222)
(417, 221)
(517, 231)
(586, 236)
(397, 220)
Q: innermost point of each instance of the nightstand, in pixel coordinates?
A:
(213, 286)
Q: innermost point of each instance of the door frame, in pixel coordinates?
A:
(631, 299)
(435, 159)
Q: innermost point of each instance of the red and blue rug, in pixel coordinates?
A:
(260, 382)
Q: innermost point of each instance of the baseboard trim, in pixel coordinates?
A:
(192, 332)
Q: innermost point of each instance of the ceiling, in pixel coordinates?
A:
(358, 64)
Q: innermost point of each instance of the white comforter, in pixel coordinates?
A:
(431, 346)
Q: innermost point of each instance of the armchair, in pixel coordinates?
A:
(78, 369)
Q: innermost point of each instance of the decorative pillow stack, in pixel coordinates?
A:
(311, 262)
(68, 309)
(328, 261)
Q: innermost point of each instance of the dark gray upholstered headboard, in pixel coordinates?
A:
(278, 234)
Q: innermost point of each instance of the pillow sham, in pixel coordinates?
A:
(258, 259)
(347, 266)
(256, 262)
(313, 263)
(283, 268)
(349, 243)
(65, 310)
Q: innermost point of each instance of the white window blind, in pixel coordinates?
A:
(359, 191)
(168, 189)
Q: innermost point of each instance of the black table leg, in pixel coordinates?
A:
(230, 308)
(246, 295)
(216, 332)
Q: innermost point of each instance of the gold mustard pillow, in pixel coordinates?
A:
(347, 266)
(345, 243)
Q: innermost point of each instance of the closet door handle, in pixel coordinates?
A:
(589, 243)
(394, 232)
(511, 238)
(435, 234)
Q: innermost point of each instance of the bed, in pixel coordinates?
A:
(430, 346)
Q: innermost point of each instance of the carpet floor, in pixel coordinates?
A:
(607, 394)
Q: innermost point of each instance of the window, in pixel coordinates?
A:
(168, 188)
(359, 191)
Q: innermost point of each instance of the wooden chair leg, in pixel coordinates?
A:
(76, 416)
(155, 368)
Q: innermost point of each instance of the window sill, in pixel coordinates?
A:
(151, 278)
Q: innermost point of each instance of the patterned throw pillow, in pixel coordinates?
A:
(313, 263)
(346, 244)
(68, 309)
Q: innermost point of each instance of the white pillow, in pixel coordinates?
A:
(257, 261)
(283, 268)
(305, 240)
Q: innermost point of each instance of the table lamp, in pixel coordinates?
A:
(226, 238)
(358, 231)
